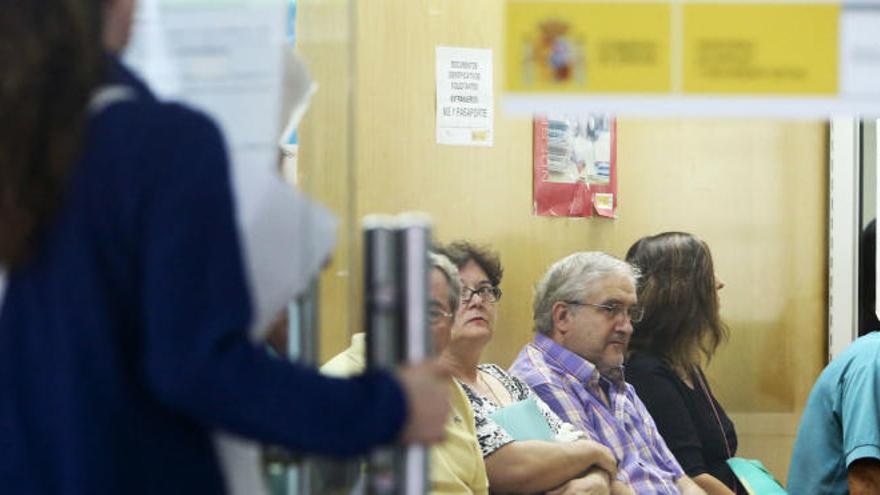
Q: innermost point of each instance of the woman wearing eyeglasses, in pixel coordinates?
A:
(680, 331)
(567, 463)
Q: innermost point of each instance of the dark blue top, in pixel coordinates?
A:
(123, 340)
(698, 432)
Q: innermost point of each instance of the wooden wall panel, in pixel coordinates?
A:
(325, 167)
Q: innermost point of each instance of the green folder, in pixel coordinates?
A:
(523, 420)
(755, 477)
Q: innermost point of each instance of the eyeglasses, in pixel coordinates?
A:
(614, 311)
(436, 315)
(488, 293)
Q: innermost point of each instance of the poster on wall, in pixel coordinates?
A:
(465, 101)
(575, 169)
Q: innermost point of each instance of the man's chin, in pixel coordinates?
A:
(613, 373)
(609, 365)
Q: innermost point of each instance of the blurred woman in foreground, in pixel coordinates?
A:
(125, 303)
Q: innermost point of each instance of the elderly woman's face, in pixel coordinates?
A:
(476, 316)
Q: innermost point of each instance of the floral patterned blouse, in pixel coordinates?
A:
(489, 433)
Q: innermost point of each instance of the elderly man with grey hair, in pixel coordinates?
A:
(583, 313)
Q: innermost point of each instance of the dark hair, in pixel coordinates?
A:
(677, 290)
(51, 60)
(867, 280)
(462, 252)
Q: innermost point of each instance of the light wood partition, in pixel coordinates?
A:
(755, 190)
(325, 170)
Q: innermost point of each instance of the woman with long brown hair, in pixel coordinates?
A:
(124, 304)
(680, 331)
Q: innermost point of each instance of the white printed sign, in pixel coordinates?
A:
(465, 104)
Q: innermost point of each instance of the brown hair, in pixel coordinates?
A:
(51, 59)
(677, 290)
(461, 252)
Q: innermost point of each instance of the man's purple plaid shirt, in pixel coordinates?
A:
(570, 385)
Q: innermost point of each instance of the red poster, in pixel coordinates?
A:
(575, 166)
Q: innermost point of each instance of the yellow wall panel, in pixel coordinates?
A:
(781, 48)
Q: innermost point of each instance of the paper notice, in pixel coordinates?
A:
(465, 103)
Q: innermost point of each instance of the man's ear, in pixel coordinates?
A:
(561, 317)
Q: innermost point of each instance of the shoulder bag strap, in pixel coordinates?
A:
(108, 95)
(705, 389)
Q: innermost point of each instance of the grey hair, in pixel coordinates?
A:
(571, 278)
(449, 271)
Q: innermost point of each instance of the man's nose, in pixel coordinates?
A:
(625, 325)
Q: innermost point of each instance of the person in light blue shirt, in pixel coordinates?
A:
(837, 449)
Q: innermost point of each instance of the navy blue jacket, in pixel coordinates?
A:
(123, 339)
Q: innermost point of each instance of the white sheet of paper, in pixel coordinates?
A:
(287, 239)
(228, 61)
(465, 96)
(224, 59)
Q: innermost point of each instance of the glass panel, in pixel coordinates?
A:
(323, 170)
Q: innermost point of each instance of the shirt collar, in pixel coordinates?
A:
(576, 366)
(584, 371)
